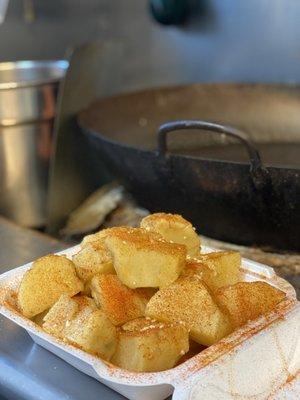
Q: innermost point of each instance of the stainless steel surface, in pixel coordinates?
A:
(27, 371)
(93, 72)
(30, 73)
(28, 92)
(20, 245)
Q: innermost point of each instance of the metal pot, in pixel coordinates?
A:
(28, 91)
(229, 193)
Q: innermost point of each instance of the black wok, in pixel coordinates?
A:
(246, 191)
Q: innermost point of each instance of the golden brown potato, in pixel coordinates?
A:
(61, 313)
(225, 266)
(64, 311)
(195, 267)
(174, 228)
(93, 332)
(43, 284)
(85, 302)
(93, 259)
(246, 301)
(217, 269)
(120, 303)
(147, 346)
(142, 260)
(100, 236)
(189, 300)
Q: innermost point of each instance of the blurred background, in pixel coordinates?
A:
(228, 40)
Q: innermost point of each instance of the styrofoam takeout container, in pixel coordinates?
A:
(259, 361)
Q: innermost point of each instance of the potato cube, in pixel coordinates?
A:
(93, 332)
(63, 311)
(120, 303)
(100, 236)
(246, 301)
(142, 260)
(195, 267)
(148, 346)
(97, 237)
(93, 259)
(217, 269)
(85, 302)
(43, 284)
(189, 300)
(225, 267)
(59, 314)
(89, 260)
(174, 228)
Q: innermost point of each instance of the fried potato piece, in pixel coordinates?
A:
(120, 303)
(104, 233)
(98, 236)
(148, 346)
(145, 260)
(189, 300)
(93, 259)
(194, 267)
(92, 331)
(174, 228)
(85, 302)
(43, 284)
(217, 269)
(63, 312)
(246, 301)
(59, 315)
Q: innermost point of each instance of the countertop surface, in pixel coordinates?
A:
(20, 245)
(28, 371)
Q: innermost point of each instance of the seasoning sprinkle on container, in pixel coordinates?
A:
(261, 360)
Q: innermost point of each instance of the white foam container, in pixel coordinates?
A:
(259, 361)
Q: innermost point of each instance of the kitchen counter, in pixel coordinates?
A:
(20, 245)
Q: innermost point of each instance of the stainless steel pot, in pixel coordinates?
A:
(28, 91)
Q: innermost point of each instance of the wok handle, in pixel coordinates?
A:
(164, 129)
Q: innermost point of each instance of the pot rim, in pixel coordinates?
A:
(59, 65)
(87, 131)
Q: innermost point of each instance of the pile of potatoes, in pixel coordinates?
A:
(138, 297)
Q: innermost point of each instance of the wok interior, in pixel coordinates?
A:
(268, 113)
